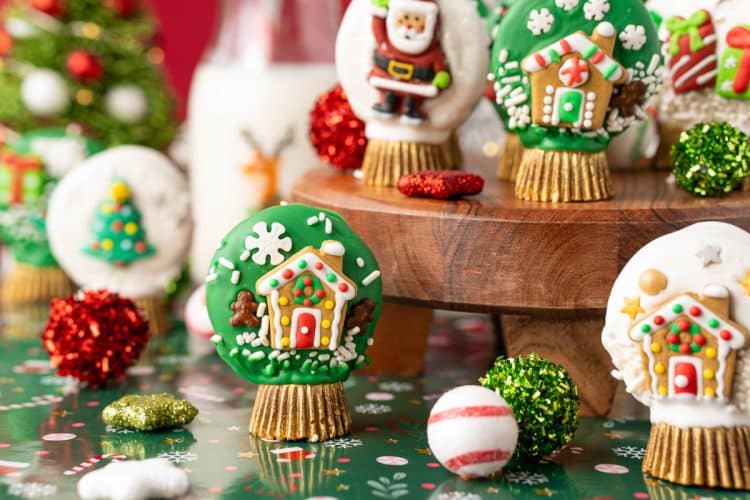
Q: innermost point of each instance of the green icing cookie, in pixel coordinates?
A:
(571, 74)
(294, 296)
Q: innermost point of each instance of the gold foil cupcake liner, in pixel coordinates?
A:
(511, 158)
(386, 161)
(28, 284)
(300, 412)
(563, 176)
(670, 133)
(713, 458)
(154, 309)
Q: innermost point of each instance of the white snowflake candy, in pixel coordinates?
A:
(178, 457)
(567, 5)
(540, 21)
(373, 409)
(596, 9)
(526, 478)
(32, 490)
(269, 244)
(633, 37)
(635, 452)
(343, 443)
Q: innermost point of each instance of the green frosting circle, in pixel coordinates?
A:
(261, 331)
(637, 49)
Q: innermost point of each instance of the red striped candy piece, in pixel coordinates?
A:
(472, 431)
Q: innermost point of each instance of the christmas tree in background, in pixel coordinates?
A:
(85, 62)
(118, 236)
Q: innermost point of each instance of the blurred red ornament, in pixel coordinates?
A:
(94, 338)
(335, 131)
(53, 8)
(6, 43)
(123, 8)
(84, 66)
(441, 184)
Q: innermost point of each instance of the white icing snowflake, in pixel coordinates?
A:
(633, 37)
(540, 21)
(727, 86)
(567, 5)
(730, 62)
(519, 116)
(459, 495)
(396, 386)
(269, 243)
(178, 457)
(118, 430)
(635, 452)
(32, 490)
(596, 9)
(373, 409)
(525, 477)
(343, 443)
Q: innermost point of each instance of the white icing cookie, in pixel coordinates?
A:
(148, 252)
(135, 480)
(711, 262)
(464, 42)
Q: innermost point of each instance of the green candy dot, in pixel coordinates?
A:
(646, 328)
(674, 328)
(674, 347)
(331, 277)
(695, 329)
(677, 308)
(274, 283)
(695, 347)
(302, 264)
(713, 323)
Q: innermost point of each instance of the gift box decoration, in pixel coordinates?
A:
(734, 74)
(21, 179)
(691, 49)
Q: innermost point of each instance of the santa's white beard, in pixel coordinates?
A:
(410, 41)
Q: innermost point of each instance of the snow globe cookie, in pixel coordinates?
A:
(677, 330)
(294, 295)
(569, 75)
(121, 221)
(707, 52)
(412, 70)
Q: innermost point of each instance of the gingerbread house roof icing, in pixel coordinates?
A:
(579, 43)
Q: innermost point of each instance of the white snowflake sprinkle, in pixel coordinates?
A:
(269, 243)
(633, 37)
(525, 477)
(596, 9)
(540, 21)
(178, 457)
(458, 495)
(32, 490)
(118, 430)
(373, 409)
(635, 452)
(343, 443)
(730, 62)
(567, 5)
(396, 386)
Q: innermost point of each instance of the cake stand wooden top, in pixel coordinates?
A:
(499, 254)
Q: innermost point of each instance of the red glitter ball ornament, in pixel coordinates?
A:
(335, 131)
(94, 337)
(441, 184)
(84, 66)
(54, 8)
(122, 8)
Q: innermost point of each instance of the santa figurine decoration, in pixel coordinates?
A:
(413, 70)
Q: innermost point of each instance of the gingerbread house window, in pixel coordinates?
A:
(307, 297)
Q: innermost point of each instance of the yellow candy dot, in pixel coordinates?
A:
(119, 192)
(106, 209)
(710, 352)
(663, 390)
(708, 374)
(325, 341)
(285, 341)
(709, 392)
(84, 97)
(131, 228)
(285, 320)
(655, 347)
(283, 301)
(91, 30)
(325, 323)
(107, 245)
(329, 304)
(659, 368)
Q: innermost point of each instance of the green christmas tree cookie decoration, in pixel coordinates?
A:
(544, 400)
(569, 75)
(294, 296)
(155, 412)
(711, 159)
(118, 237)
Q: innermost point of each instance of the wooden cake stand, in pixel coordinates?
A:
(545, 269)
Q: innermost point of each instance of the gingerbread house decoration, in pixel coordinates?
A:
(689, 346)
(307, 298)
(572, 80)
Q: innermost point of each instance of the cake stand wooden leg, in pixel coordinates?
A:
(400, 341)
(575, 344)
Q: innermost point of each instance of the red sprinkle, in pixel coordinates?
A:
(307, 281)
(343, 287)
(673, 338)
(320, 294)
(683, 325)
(440, 185)
(695, 311)
(318, 266)
(287, 274)
(685, 348)
(659, 320)
(726, 335)
(307, 302)
(699, 339)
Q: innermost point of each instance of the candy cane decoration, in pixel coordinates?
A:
(93, 461)
(46, 399)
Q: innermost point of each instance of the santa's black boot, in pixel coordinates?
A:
(412, 115)
(387, 108)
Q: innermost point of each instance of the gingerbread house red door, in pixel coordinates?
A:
(306, 327)
(684, 376)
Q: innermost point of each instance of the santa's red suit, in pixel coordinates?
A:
(404, 79)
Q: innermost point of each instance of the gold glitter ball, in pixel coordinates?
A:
(153, 412)
(155, 55)
(91, 30)
(84, 97)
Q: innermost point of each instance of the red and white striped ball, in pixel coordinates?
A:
(472, 431)
(196, 315)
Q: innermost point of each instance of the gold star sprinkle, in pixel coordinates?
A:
(233, 428)
(745, 282)
(342, 487)
(632, 307)
(614, 435)
(544, 492)
(84, 97)
(391, 441)
(423, 451)
(171, 441)
(333, 472)
(492, 489)
(246, 454)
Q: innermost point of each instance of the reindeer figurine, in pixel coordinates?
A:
(266, 165)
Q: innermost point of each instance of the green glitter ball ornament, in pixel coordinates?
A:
(711, 159)
(544, 400)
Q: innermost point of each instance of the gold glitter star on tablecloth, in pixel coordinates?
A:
(391, 441)
(171, 441)
(614, 435)
(342, 487)
(632, 307)
(333, 472)
(492, 489)
(233, 428)
(745, 282)
(246, 454)
(544, 492)
(423, 451)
